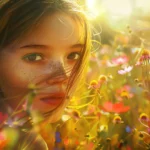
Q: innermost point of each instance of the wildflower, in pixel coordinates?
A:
(141, 136)
(140, 84)
(75, 114)
(120, 60)
(57, 137)
(108, 140)
(145, 58)
(102, 79)
(125, 70)
(66, 141)
(143, 117)
(128, 129)
(121, 143)
(136, 80)
(117, 107)
(124, 88)
(125, 94)
(94, 85)
(117, 119)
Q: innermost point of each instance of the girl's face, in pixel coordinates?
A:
(44, 57)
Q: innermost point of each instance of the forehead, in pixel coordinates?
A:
(56, 29)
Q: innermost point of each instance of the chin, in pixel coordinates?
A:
(54, 115)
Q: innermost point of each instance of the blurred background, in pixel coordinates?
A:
(112, 111)
(111, 16)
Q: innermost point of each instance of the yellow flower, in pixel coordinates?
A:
(125, 94)
(143, 117)
(102, 78)
(93, 84)
(117, 119)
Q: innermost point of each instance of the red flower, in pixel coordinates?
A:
(3, 117)
(117, 107)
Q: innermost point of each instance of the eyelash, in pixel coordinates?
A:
(74, 53)
(34, 57)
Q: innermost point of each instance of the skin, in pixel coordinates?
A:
(44, 57)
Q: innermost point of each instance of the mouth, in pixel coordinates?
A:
(53, 99)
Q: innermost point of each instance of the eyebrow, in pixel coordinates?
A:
(77, 45)
(39, 46)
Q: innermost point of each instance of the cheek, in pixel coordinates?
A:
(15, 74)
(21, 74)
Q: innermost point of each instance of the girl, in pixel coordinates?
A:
(44, 47)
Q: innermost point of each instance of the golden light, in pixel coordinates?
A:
(118, 7)
(95, 8)
(144, 4)
(113, 7)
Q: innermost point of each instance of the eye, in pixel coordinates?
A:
(74, 55)
(33, 57)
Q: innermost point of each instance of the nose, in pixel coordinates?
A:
(58, 75)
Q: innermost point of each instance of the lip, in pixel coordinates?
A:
(53, 99)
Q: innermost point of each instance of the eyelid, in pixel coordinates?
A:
(29, 54)
(77, 52)
(73, 53)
